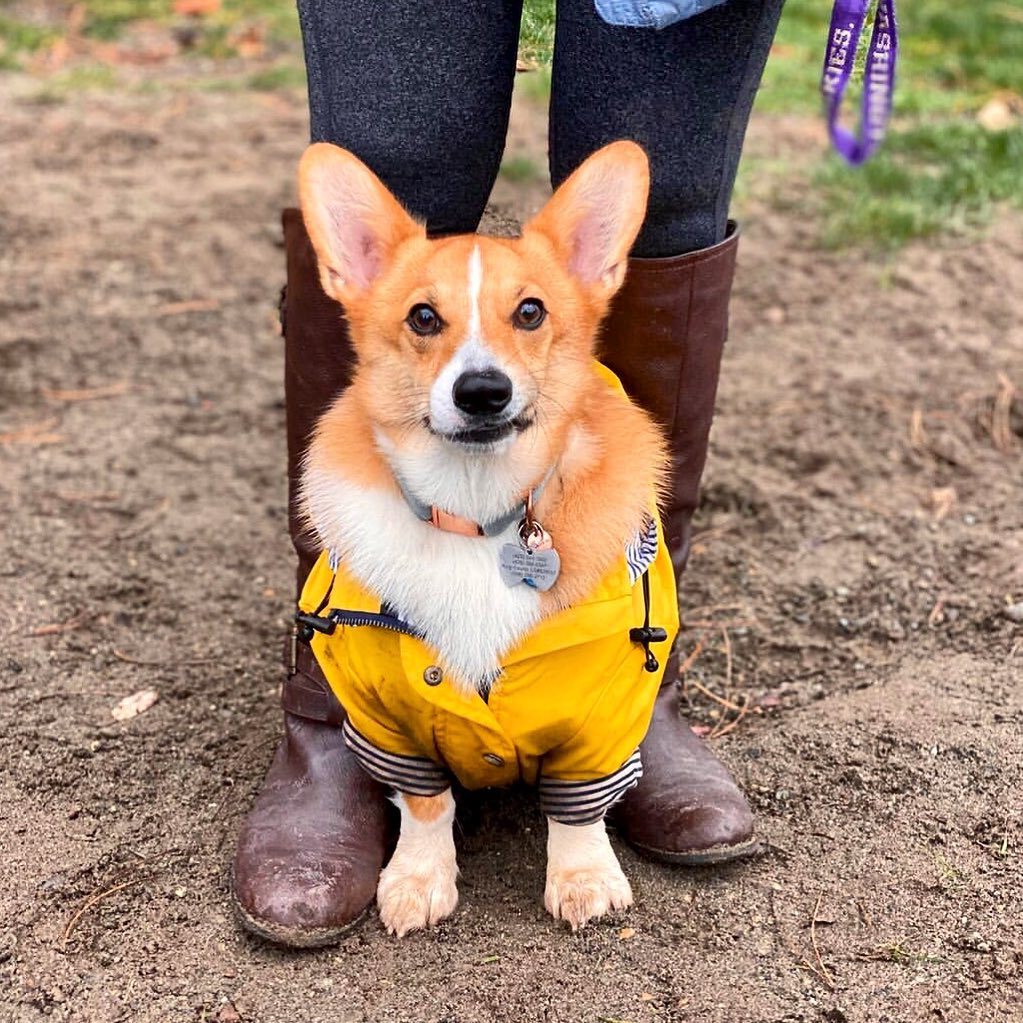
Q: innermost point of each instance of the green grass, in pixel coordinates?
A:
(931, 178)
(280, 76)
(536, 39)
(521, 169)
(75, 80)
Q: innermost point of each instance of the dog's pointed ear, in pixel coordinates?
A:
(354, 222)
(594, 216)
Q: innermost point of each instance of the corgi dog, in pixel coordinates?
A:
(486, 499)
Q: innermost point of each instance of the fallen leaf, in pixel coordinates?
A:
(196, 8)
(132, 706)
(997, 115)
(627, 932)
(228, 1014)
(249, 41)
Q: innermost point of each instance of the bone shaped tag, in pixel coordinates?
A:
(533, 560)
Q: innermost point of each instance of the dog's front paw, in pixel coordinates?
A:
(584, 879)
(409, 900)
(578, 896)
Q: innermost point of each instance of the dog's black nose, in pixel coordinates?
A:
(482, 393)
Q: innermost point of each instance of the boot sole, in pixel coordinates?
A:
(294, 937)
(700, 857)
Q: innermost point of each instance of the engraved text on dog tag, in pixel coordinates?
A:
(538, 569)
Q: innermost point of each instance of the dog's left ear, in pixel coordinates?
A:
(594, 216)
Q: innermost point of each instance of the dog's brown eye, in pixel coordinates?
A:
(529, 314)
(423, 319)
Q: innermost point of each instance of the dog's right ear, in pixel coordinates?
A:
(354, 222)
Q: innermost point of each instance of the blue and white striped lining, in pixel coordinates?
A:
(585, 802)
(415, 776)
(641, 550)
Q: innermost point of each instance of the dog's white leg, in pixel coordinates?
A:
(417, 888)
(584, 878)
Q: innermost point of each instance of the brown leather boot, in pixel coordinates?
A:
(664, 339)
(310, 851)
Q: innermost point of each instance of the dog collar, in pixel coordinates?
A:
(466, 527)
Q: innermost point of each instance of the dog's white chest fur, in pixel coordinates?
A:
(448, 586)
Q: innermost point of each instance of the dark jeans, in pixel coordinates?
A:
(421, 91)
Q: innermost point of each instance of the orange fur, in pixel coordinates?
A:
(609, 456)
(428, 808)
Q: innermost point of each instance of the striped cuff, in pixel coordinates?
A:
(414, 776)
(585, 802)
(641, 550)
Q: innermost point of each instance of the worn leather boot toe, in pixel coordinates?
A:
(310, 852)
(686, 808)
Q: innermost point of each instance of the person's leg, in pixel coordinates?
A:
(684, 93)
(421, 93)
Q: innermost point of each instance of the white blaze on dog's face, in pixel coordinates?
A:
(470, 343)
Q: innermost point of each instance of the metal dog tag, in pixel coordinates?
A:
(533, 560)
(538, 569)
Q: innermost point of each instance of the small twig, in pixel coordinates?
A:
(823, 970)
(691, 657)
(728, 659)
(937, 614)
(86, 496)
(145, 521)
(86, 393)
(709, 609)
(720, 730)
(1001, 415)
(35, 433)
(55, 628)
(864, 915)
(129, 659)
(89, 903)
(728, 623)
(917, 435)
(711, 695)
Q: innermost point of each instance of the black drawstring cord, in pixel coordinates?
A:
(648, 633)
(310, 622)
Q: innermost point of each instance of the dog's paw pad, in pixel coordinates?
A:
(578, 896)
(408, 902)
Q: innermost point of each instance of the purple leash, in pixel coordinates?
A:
(847, 19)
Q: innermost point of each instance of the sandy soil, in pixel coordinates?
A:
(861, 537)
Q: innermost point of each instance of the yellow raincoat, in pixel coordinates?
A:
(569, 710)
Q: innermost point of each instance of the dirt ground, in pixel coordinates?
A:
(861, 540)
